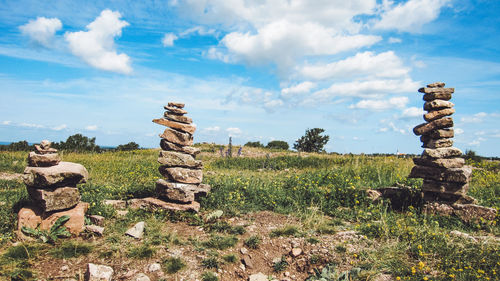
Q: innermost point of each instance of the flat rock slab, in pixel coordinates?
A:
(97, 272)
(177, 159)
(440, 163)
(438, 143)
(448, 198)
(180, 192)
(198, 189)
(177, 137)
(55, 199)
(137, 231)
(460, 175)
(167, 146)
(438, 134)
(426, 128)
(445, 187)
(154, 203)
(182, 175)
(43, 160)
(175, 110)
(41, 150)
(437, 104)
(433, 115)
(447, 152)
(32, 216)
(467, 212)
(436, 85)
(65, 173)
(95, 229)
(437, 96)
(177, 117)
(431, 90)
(176, 104)
(188, 128)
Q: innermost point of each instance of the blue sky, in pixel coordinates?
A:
(253, 70)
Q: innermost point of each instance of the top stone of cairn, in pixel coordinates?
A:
(175, 110)
(176, 104)
(436, 85)
(44, 147)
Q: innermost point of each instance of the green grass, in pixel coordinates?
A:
(71, 249)
(209, 276)
(173, 265)
(252, 242)
(325, 192)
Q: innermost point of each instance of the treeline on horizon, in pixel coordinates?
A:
(81, 143)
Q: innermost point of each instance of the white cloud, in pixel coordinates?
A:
(282, 42)
(411, 15)
(392, 127)
(31, 125)
(91, 127)
(211, 130)
(6, 122)
(386, 65)
(41, 30)
(458, 131)
(299, 89)
(96, 46)
(412, 112)
(168, 39)
(476, 118)
(378, 105)
(394, 40)
(60, 127)
(234, 131)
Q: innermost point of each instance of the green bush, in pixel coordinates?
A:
(277, 144)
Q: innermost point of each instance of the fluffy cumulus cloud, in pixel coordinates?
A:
(91, 128)
(409, 16)
(412, 112)
(377, 105)
(168, 39)
(320, 49)
(234, 131)
(42, 30)
(97, 46)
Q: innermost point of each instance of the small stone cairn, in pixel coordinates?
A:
(52, 186)
(446, 178)
(183, 174)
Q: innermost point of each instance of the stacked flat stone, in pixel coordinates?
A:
(183, 174)
(51, 184)
(446, 179)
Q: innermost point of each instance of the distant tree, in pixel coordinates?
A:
(129, 146)
(254, 144)
(312, 141)
(18, 146)
(277, 144)
(471, 154)
(78, 143)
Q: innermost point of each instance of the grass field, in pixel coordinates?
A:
(325, 193)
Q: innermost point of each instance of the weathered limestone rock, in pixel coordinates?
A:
(43, 160)
(197, 189)
(437, 104)
(176, 159)
(97, 272)
(430, 196)
(258, 277)
(175, 110)
(182, 175)
(45, 144)
(137, 231)
(54, 199)
(472, 212)
(65, 173)
(176, 194)
(432, 90)
(176, 104)
(436, 85)
(461, 175)
(97, 220)
(180, 138)
(426, 128)
(40, 150)
(141, 277)
(166, 145)
(445, 187)
(178, 118)
(440, 163)
(439, 95)
(438, 134)
(33, 216)
(95, 229)
(188, 128)
(154, 203)
(438, 143)
(447, 152)
(433, 115)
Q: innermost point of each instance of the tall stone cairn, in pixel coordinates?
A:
(52, 187)
(183, 174)
(446, 178)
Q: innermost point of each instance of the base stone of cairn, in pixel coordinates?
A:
(183, 173)
(52, 187)
(441, 166)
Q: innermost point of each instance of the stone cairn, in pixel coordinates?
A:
(177, 158)
(52, 186)
(446, 178)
